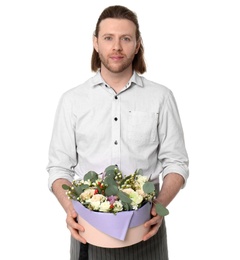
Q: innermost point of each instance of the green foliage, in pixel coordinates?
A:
(161, 210)
(112, 183)
(80, 189)
(148, 187)
(66, 187)
(139, 172)
(109, 180)
(90, 176)
(124, 197)
(111, 190)
(126, 206)
(110, 170)
(125, 179)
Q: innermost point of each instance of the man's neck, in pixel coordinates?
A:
(116, 81)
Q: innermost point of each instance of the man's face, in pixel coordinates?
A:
(116, 44)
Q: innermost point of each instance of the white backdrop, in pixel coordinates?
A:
(192, 47)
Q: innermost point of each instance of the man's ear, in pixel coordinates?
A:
(95, 43)
(138, 46)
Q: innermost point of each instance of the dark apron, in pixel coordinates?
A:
(154, 248)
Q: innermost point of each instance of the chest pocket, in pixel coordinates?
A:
(142, 127)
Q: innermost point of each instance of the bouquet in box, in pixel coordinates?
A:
(113, 208)
(111, 192)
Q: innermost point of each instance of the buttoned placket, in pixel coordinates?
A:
(116, 123)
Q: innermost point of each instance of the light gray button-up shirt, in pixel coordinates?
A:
(138, 128)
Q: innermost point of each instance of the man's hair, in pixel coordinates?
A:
(120, 12)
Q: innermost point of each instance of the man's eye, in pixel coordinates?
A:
(127, 39)
(108, 38)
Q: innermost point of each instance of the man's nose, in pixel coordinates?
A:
(117, 45)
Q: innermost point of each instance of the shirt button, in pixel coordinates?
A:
(115, 118)
(116, 97)
(116, 142)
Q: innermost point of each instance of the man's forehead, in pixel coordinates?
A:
(115, 25)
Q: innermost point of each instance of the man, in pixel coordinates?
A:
(118, 117)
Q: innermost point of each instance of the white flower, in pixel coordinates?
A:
(141, 192)
(97, 197)
(140, 181)
(134, 196)
(105, 206)
(95, 201)
(87, 194)
(128, 190)
(94, 205)
(117, 206)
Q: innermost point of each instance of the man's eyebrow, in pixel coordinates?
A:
(123, 35)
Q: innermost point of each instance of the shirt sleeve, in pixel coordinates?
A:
(62, 150)
(172, 151)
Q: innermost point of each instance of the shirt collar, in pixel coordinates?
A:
(134, 80)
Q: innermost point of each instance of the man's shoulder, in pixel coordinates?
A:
(81, 89)
(154, 86)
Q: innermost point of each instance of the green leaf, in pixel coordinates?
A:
(124, 197)
(110, 174)
(161, 210)
(111, 190)
(126, 206)
(139, 172)
(111, 167)
(148, 187)
(79, 189)
(66, 187)
(91, 175)
(109, 180)
(111, 170)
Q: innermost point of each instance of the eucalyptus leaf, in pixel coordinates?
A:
(139, 172)
(79, 189)
(148, 187)
(110, 170)
(66, 187)
(109, 180)
(91, 175)
(126, 206)
(124, 197)
(111, 190)
(161, 210)
(110, 174)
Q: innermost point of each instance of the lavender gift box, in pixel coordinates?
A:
(113, 230)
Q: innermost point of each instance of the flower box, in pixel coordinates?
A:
(113, 230)
(112, 207)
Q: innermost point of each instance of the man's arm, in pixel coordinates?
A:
(67, 205)
(60, 193)
(172, 183)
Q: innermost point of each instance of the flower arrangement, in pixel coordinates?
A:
(111, 192)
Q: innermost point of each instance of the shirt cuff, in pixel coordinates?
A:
(59, 173)
(181, 170)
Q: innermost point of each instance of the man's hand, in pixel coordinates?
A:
(73, 226)
(67, 205)
(155, 223)
(172, 183)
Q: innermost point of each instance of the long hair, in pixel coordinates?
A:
(120, 12)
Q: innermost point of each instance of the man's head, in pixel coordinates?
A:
(125, 17)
